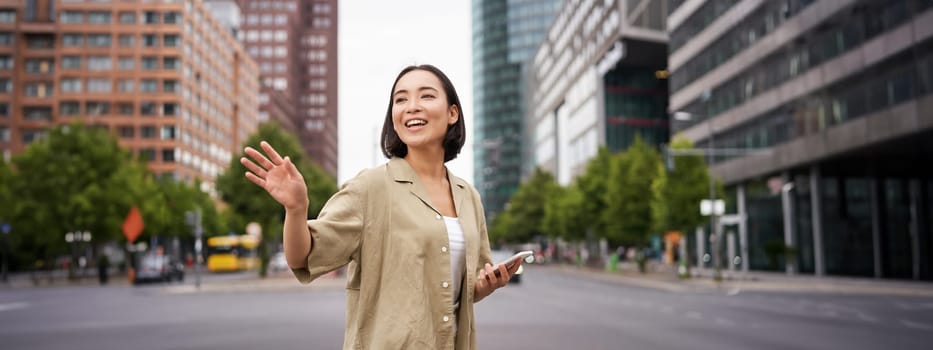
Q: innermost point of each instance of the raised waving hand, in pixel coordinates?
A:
(276, 175)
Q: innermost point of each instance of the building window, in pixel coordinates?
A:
(126, 63)
(168, 132)
(150, 62)
(33, 135)
(126, 40)
(39, 90)
(4, 109)
(96, 108)
(147, 108)
(171, 18)
(39, 66)
(127, 132)
(7, 16)
(6, 62)
(168, 155)
(151, 17)
(67, 85)
(68, 17)
(99, 63)
(6, 85)
(126, 85)
(69, 108)
(170, 86)
(128, 17)
(98, 40)
(6, 39)
(147, 132)
(100, 85)
(37, 113)
(71, 62)
(70, 39)
(96, 17)
(150, 40)
(170, 63)
(170, 40)
(149, 85)
(126, 108)
(170, 109)
(4, 134)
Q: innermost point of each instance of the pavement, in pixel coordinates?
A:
(665, 278)
(659, 277)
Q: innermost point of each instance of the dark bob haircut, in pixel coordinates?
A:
(392, 145)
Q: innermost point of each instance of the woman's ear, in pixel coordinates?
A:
(453, 114)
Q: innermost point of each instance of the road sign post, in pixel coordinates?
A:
(5, 228)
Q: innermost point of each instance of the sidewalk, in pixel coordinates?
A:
(665, 278)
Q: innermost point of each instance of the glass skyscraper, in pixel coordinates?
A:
(506, 33)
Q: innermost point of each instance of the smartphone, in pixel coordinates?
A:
(511, 261)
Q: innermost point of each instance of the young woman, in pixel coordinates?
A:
(413, 234)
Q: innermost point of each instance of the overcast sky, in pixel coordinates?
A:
(376, 40)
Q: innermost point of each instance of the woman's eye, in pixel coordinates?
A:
(400, 100)
(427, 96)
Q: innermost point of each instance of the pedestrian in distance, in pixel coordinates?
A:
(412, 234)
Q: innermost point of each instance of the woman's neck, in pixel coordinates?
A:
(428, 165)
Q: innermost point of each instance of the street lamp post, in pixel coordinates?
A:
(710, 153)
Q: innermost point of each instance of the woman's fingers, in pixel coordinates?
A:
(255, 169)
(259, 158)
(256, 180)
(273, 155)
(292, 169)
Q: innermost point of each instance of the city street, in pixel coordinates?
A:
(551, 309)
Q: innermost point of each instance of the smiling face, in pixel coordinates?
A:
(421, 112)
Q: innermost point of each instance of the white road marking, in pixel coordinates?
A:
(13, 306)
(916, 325)
(694, 315)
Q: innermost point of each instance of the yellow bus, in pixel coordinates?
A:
(232, 253)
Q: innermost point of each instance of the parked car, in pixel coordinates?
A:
(499, 256)
(158, 268)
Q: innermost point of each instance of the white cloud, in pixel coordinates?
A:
(376, 40)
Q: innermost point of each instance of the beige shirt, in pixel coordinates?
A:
(399, 288)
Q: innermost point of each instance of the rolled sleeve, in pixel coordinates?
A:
(336, 234)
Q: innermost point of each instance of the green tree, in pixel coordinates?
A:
(677, 192)
(592, 187)
(562, 216)
(76, 179)
(250, 203)
(525, 211)
(628, 195)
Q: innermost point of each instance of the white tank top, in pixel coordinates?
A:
(457, 255)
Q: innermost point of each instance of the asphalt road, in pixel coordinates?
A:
(551, 309)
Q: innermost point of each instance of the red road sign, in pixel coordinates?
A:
(133, 225)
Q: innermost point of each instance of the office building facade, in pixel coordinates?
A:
(170, 82)
(598, 79)
(826, 109)
(294, 43)
(506, 34)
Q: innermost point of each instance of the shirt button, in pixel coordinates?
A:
(444, 249)
(437, 216)
(446, 318)
(445, 284)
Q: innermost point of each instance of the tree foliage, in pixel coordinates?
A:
(592, 186)
(250, 203)
(523, 219)
(628, 195)
(563, 217)
(76, 179)
(677, 192)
